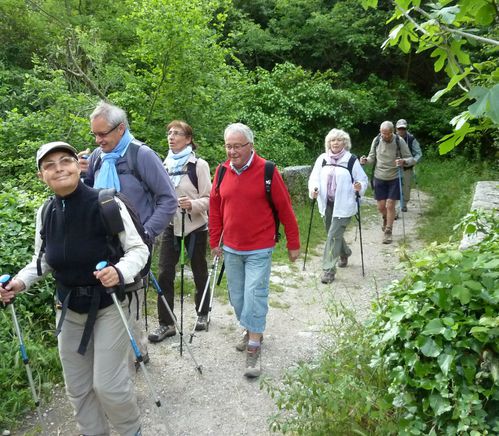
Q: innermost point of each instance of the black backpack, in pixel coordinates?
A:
(349, 166)
(191, 173)
(268, 175)
(110, 212)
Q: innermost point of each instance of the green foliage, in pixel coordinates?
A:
(292, 110)
(45, 111)
(427, 361)
(449, 202)
(318, 35)
(451, 31)
(437, 335)
(34, 311)
(339, 393)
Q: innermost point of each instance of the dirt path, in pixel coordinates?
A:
(222, 401)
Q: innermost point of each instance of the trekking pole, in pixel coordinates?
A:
(207, 286)
(310, 227)
(138, 354)
(417, 187)
(357, 197)
(182, 263)
(205, 291)
(212, 294)
(167, 306)
(401, 200)
(4, 280)
(221, 273)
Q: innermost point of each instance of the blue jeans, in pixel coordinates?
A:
(248, 278)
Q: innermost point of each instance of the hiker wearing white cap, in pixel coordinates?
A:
(415, 150)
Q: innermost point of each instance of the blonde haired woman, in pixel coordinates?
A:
(335, 179)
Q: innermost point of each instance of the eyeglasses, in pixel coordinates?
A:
(103, 134)
(235, 147)
(175, 133)
(63, 162)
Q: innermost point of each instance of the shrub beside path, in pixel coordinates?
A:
(222, 401)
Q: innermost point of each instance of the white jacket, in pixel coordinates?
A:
(345, 204)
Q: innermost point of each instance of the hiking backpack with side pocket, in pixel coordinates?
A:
(268, 175)
(111, 217)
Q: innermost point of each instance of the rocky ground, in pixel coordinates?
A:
(221, 401)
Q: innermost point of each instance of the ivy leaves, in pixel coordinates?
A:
(437, 333)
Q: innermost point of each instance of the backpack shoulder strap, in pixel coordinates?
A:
(110, 211)
(220, 175)
(269, 174)
(351, 163)
(192, 174)
(131, 157)
(397, 141)
(47, 207)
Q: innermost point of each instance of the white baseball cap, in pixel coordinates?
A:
(401, 124)
(51, 146)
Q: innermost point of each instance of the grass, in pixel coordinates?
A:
(450, 184)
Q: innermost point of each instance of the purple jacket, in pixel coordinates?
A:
(154, 197)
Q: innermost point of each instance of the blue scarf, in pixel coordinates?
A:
(108, 177)
(175, 162)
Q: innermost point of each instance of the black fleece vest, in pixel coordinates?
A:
(75, 242)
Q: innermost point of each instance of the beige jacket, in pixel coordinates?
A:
(197, 217)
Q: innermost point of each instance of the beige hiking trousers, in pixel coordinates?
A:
(98, 384)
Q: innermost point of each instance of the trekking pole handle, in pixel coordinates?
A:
(4, 281)
(101, 265)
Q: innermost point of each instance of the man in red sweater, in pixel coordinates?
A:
(240, 210)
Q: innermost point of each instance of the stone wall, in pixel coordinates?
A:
(486, 196)
(296, 179)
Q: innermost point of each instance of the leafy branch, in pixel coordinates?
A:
(452, 30)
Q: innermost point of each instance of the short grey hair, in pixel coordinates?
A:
(387, 125)
(114, 115)
(338, 134)
(240, 128)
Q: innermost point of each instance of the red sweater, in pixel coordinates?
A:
(240, 208)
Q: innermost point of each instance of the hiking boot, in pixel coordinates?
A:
(243, 343)
(162, 332)
(145, 359)
(404, 209)
(327, 277)
(343, 261)
(387, 239)
(253, 362)
(202, 322)
(383, 227)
